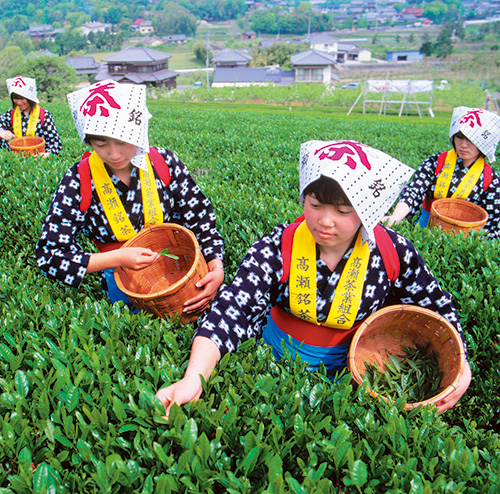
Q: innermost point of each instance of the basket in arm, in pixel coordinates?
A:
(27, 145)
(163, 287)
(391, 329)
(457, 215)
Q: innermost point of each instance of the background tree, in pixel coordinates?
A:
(435, 11)
(54, 78)
(69, 40)
(200, 52)
(277, 54)
(76, 19)
(10, 58)
(426, 48)
(174, 19)
(443, 47)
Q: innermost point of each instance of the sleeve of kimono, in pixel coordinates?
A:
(421, 185)
(491, 204)
(49, 132)
(58, 253)
(240, 310)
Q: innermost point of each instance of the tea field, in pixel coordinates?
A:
(78, 376)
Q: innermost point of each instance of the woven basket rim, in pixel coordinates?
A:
(175, 287)
(39, 140)
(453, 221)
(408, 308)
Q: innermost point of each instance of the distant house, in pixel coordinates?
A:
(142, 26)
(94, 27)
(416, 11)
(42, 53)
(175, 38)
(230, 59)
(403, 56)
(43, 31)
(248, 76)
(139, 65)
(267, 42)
(248, 35)
(314, 66)
(324, 42)
(349, 52)
(146, 28)
(343, 52)
(83, 65)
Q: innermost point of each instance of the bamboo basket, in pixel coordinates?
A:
(391, 329)
(27, 145)
(163, 287)
(457, 215)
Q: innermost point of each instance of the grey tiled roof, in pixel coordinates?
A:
(312, 57)
(138, 54)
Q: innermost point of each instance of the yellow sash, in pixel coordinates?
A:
(303, 288)
(33, 120)
(113, 206)
(466, 185)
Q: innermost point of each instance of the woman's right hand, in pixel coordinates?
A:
(181, 392)
(204, 357)
(129, 257)
(7, 135)
(137, 257)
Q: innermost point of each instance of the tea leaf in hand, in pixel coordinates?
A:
(165, 252)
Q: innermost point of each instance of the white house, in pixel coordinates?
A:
(95, 27)
(314, 66)
(324, 42)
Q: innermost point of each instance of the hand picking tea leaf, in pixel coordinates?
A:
(166, 253)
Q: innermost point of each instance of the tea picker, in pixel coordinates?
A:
(123, 187)
(323, 275)
(458, 175)
(28, 127)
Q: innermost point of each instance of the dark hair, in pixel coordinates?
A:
(92, 137)
(18, 96)
(460, 135)
(327, 191)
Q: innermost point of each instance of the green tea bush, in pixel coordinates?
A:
(78, 375)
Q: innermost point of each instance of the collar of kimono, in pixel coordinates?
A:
(33, 120)
(302, 281)
(466, 185)
(112, 204)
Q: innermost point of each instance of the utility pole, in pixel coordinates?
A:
(207, 45)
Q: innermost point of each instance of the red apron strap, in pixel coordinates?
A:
(159, 165)
(388, 252)
(312, 334)
(488, 176)
(441, 162)
(106, 247)
(85, 182)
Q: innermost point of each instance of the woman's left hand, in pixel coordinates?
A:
(210, 283)
(463, 383)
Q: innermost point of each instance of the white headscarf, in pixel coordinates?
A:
(371, 179)
(23, 86)
(481, 127)
(115, 110)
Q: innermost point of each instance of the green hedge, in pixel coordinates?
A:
(78, 375)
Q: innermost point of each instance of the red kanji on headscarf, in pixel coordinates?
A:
(19, 82)
(472, 118)
(99, 97)
(337, 150)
